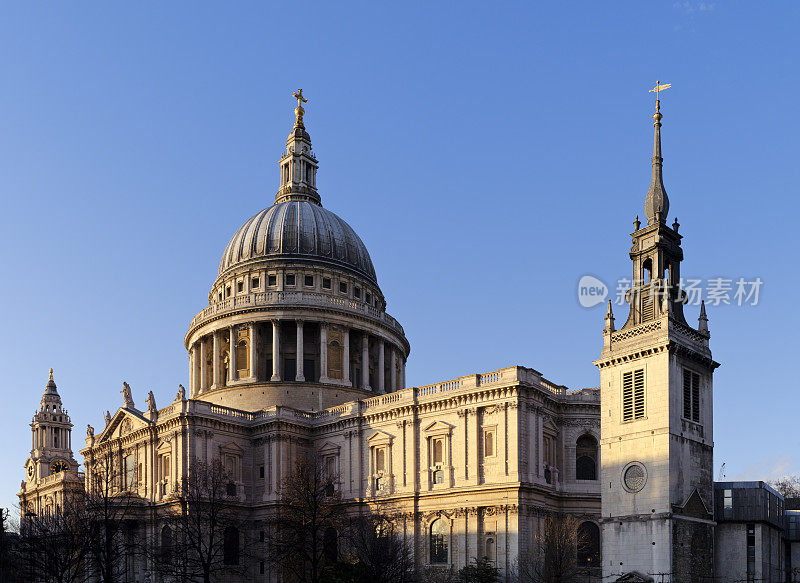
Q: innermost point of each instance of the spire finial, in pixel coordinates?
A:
(51, 374)
(656, 204)
(299, 111)
(609, 327)
(703, 319)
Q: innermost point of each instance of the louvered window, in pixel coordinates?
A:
(691, 395)
(648, 304)
(633, 395)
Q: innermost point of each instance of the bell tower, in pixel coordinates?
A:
(51, 456)
(656, 405)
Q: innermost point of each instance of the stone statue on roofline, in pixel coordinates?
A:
(127, 397)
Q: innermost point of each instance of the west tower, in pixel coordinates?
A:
(656, 414)
(51, 468)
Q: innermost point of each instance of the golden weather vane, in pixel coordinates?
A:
(658, 88)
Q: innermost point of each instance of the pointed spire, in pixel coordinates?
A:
(703, 319)
(656, 204)
(609, 327)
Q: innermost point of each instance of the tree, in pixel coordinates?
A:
(110, 519)
(303, 536)
(479, 571)
(554, 557)
(200, 534)
(8, 548)
(787, 486)
(376, 548)
(54, 544)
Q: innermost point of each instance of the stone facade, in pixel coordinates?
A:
(295, 353)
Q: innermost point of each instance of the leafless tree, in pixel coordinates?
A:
(54, 544)
(787, 486)
(112, 515)
(377, 548)
(554, 557)
(8, 548)
(302, 537)
(201, 534)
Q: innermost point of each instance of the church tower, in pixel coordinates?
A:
(656, 407)
(51, 463)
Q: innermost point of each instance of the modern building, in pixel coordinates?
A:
(295, 352)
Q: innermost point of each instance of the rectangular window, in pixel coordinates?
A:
(228, 291)
(254, 283)
(130, 473)
(691, 395)
(290, 279)
(488, 443)
(343, 287)
(357, 292)
(272, 280)
(369, 298)
(728, 504)
(326, 283)
(261, 471)
(751, 552)
(240, 287)
(633, 395)
(309, 281)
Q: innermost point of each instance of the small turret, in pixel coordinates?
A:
(609, 322)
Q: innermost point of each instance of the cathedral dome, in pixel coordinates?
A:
(298, 230)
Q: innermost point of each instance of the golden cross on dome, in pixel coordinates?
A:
(298, 95)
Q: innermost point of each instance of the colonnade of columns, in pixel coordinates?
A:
(226, 371)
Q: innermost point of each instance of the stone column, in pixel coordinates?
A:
(323, 353)
(474, 437)
(393, 371)
(381, 367)
(201, 386)
(346, 359)
(192, 361)
(299, 376)
(540, 444)
(253, 351)
(365, 362)
(402, 372)
(276, 351)
(233, 373)
(217, 368)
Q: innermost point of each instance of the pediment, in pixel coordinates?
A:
(634, 577)
(549, 425)
(328, 447)
(380, 437)
(439, 427)
(231, 447)
(123, 422)
(164, 446)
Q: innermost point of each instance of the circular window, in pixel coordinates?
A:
(634, 477)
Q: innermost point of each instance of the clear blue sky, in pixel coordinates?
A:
(488, 154)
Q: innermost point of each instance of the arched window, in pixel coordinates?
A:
(230, 546)
(241, 358)
(330, 545)
(166, 545)
(588, 545)
(586, 458)
(490, 549)
(438, 544)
